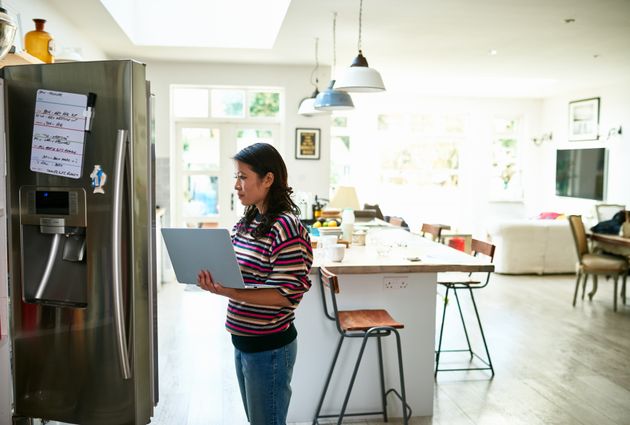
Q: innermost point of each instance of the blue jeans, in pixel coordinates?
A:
(264, 379)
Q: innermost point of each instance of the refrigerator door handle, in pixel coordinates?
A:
(119, 315)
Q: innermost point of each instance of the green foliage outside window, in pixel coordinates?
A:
(264, 104)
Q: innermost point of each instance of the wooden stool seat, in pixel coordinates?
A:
(362, 320)
(457, 278)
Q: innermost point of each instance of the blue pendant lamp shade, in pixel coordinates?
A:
(332, 99)
(360, 77)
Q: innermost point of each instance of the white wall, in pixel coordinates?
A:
(63, 32)
(614, 112)
(310, 176)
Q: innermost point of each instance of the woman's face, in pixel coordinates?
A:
(250, 187)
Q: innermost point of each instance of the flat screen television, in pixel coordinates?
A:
(581, 173)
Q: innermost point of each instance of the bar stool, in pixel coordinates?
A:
(362, 324)
(456, 282)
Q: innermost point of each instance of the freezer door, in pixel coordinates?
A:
(91, 363)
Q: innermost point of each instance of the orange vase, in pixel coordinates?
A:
(39, 43)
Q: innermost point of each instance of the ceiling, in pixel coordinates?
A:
(424, 46)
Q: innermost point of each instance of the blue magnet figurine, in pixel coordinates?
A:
(99, 178)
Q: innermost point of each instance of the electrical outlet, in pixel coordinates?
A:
(395, 282)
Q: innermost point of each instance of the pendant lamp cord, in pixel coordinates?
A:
(360, 19)
(334, 40)
(316, 69)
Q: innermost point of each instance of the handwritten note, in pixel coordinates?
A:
(59, 133)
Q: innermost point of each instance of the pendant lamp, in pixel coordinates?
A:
(360, 77)
(332, 99)
(307, 105)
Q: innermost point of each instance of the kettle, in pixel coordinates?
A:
(7, 32)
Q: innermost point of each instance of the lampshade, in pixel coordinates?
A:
(333, 100)
(345, 197)
(360, 78)
(307, 106)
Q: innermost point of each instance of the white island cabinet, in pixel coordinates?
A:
(412, 300)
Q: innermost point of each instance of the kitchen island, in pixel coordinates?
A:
(396, 271)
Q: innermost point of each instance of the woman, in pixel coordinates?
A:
(273, 248)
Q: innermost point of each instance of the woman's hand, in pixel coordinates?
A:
(205, 282)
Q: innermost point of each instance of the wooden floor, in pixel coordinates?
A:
(554, 364)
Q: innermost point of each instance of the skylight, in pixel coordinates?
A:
(252, 24)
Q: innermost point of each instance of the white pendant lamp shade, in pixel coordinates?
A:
(307, 106)
(333, 100)
(360, 78)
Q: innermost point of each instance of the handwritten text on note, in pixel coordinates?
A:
(59, 133)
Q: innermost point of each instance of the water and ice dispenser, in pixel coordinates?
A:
(53, 224)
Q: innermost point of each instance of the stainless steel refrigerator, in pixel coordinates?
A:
(80, 207)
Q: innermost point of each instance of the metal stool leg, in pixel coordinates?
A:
(402, 380)
(382, 378)
(437, 354)
(461, 316)
(354, 375)
(483, 336)
(330, 372)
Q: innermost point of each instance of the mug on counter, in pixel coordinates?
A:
(336, 252)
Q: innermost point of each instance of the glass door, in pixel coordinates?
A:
(205, 171)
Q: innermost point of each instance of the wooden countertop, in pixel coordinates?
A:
(433, 257)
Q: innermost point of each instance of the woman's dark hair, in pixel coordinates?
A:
(264, 158)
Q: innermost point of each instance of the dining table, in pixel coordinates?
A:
(611, 243)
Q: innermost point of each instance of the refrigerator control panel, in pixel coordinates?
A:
(39, 203)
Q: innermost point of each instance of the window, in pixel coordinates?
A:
(506, 184)
(211, 124)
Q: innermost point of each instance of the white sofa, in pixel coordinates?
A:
(533, 246)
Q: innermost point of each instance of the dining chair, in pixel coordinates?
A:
(595, 264)
(606, 211)
(363, 324)
(375, 207)
(435, 230)
(467, 282)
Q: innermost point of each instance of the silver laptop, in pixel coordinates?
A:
(192, 250)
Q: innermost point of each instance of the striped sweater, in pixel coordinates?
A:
(281, 258)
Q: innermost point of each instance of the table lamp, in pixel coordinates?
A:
(345, 197)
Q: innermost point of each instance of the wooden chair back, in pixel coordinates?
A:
(375, 207)
(432, 229)
(396, 221)
(579, 235)
(484, 248)
(329, 280)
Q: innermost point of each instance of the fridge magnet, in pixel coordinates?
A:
(99, 178)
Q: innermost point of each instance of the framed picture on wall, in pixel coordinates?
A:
(584, 119)
(307, 143)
